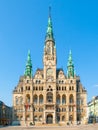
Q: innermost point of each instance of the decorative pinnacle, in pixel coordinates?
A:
(70, 66)
(28, 70)
(49, 34)
(70, 61)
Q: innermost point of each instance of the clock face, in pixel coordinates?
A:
(49, 72)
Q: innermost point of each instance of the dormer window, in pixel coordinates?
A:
(38, 81)
(71, 81)
(27, 81)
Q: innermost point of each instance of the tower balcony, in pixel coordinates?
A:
(50, 103)
(50, 108)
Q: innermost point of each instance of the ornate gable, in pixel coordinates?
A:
(60, 74)
(38, 74)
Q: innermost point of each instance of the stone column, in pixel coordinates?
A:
(67, 108)
(44, 116)
(75, 115)
(53, 117)
(67, 114)
(24, 115)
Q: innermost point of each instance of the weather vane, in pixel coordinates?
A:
(49, 11)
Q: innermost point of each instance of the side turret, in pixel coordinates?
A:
(70, 66)
(28, 70)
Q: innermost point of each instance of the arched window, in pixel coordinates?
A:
(70, 118)
(39, 81)
(49, 97)
(70, 109)
(21, 100)
(58, 99)
(58, 109)
(72, 87)
(58, 118)
(71, 99)
(21, 89)
(41, 99)
(63, 118)
(16, 100)
(63, 99)
(35, 99)
(28, 87)
(40, 118)
(71, 81)
(35, 118)
(27, 81)
(69, 87)
(33, 88)
(27, 98)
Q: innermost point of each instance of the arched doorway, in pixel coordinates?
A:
(49, 119)
(71, 118)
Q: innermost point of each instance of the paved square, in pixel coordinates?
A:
(79, 127)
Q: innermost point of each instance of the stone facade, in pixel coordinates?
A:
(49, 96)
(5, 114)
(93, 110)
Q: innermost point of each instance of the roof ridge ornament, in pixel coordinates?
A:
(50, 11)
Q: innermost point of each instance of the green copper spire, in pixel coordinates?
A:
(49, 33)
(28, 70)
(70, 66)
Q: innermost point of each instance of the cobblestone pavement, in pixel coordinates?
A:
(78, 127)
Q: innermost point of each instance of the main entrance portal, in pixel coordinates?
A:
(49, 119)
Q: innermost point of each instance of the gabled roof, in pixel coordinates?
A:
(39, 71)
(58, 71)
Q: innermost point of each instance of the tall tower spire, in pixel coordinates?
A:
(70, 66)
(49, 33)
(28, 70)
(49, 57)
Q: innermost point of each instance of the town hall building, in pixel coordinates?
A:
(49, 96)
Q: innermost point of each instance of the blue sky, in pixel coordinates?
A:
(23, 25)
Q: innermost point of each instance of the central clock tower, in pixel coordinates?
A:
(49, 58)
(49, 61)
